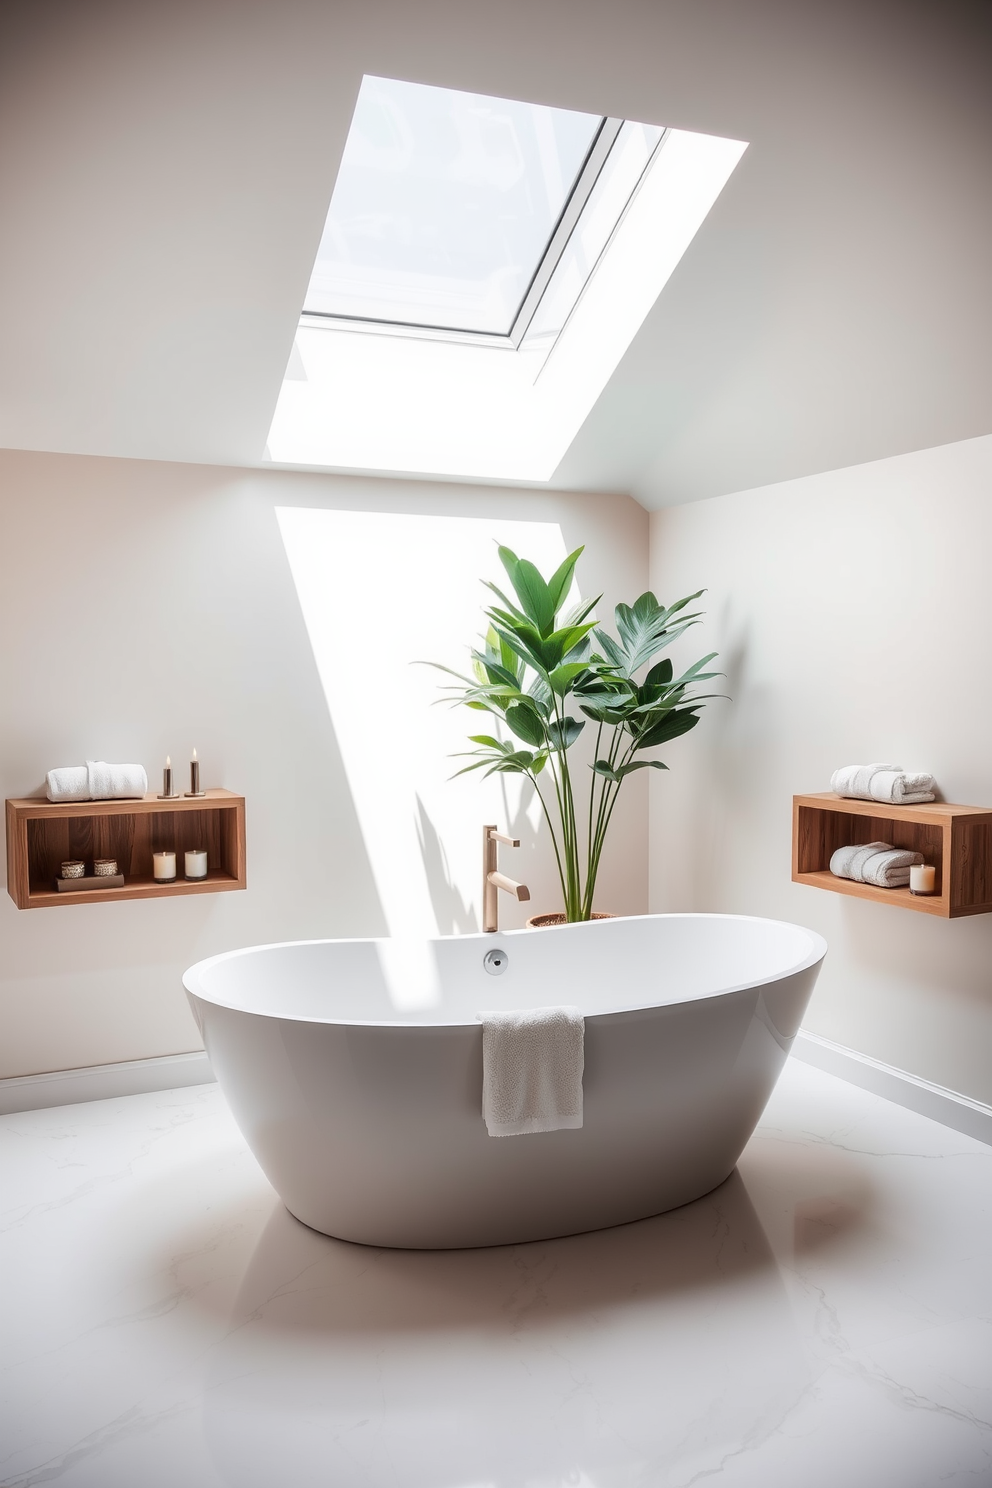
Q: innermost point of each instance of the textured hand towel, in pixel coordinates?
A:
(880, 782)
(847, 862)
(71, 783)
(97, 781)
(115, 782)
(889, 870)
(532, 1062)
(876, 863)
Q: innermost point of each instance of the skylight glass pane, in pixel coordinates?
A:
(444, 206)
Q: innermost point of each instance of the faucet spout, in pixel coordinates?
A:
(493, 880)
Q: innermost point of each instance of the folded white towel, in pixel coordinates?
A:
(876, 863)
(880, 782)
(847, 862)
(532, 1062)
(97, 781)
(889, 870)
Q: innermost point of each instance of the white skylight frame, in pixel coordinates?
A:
(571, 213)
(397, 400)
(597, 159)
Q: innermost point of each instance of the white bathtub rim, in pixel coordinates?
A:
(192, 977)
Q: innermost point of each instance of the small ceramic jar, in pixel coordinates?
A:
(104, 867)
(73, 870)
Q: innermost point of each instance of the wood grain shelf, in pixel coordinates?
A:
(41, 835)
(957, 840)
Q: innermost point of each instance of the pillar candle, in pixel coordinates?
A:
(164, 866)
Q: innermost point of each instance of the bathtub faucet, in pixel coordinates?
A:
(493, 880)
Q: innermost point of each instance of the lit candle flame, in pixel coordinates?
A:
(193, 755)
(168, 761)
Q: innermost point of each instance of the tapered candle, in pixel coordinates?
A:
(167, 777)
(194, 775)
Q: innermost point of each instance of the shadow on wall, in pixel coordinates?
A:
(713, 771)
(454, 915)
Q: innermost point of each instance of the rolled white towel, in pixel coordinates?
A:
(882, 782)
(847, 862)
(532, 1062)
(889, 870)
(69, 783)
(97, 781)
(899, 788)
(115, 782)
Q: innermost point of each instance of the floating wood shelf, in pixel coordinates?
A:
(957, 840)
(42, 835)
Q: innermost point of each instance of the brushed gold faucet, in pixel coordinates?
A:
(493, 880)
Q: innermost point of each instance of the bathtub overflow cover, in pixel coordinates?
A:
(495, 962)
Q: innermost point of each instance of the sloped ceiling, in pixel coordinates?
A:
(165, 170)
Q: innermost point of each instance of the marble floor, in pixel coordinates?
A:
(823, 1320)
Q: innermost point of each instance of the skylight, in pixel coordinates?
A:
(504, 255)
(445, 206)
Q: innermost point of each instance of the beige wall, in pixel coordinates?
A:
(853, 616)
(149, 607)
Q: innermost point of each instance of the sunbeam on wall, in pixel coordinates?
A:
(381, 593)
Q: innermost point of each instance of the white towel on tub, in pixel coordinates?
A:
(532, 1063)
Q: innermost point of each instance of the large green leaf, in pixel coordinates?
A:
(614, 653)
(530, 589)
(561, 580)
(529, 646)
(660, 673)
(563, 677)
(493, 669)
(563, 735)
(525, 723)
(670, 727)
(643, 629)
(640, 765)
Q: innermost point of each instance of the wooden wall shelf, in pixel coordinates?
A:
(956, 839)
(41, 835)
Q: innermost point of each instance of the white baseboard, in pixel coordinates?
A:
(946, 1106)
(101, 1081)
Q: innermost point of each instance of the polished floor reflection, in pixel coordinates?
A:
(823, 1318)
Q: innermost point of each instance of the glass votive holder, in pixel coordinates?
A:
(74, 869)
(922, 878)
(164, 867)
(196, 863)
(104, 867)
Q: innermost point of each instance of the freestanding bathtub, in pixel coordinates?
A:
(354, 1070)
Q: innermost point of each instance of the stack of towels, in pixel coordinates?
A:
(877, 863)
(889, 783)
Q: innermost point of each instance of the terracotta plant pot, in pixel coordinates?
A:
(545, 921)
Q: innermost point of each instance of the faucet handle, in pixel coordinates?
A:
(495, 836)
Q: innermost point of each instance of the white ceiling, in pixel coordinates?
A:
(166, 165)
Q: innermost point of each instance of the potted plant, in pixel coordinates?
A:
(536, 666)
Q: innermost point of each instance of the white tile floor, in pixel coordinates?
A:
(824, 1320)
